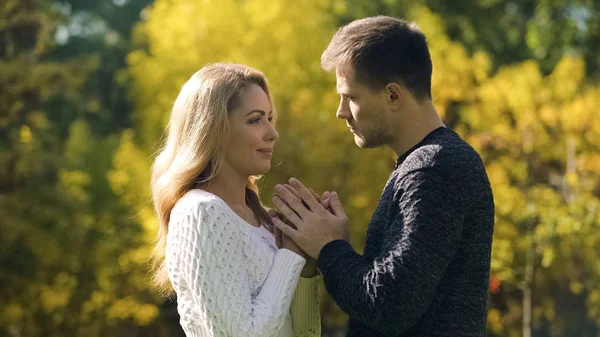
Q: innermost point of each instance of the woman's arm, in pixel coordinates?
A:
(306, 316)
(205, 257)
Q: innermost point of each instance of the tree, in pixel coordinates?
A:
(538, 137)
(523, 30)
(73, 261)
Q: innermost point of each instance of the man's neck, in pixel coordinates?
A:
(417, 124)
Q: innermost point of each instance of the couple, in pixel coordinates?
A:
(241, 270)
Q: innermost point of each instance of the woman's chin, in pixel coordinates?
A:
(262, 170)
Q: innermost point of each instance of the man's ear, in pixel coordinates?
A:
(395, 94)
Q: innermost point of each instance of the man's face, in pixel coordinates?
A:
(365, 111)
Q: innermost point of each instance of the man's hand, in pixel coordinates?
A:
(322, 199)
(315, 225)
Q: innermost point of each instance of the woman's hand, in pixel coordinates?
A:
(284, 241)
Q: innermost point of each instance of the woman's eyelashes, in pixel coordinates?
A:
(258, 119)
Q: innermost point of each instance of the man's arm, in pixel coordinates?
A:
(393, 291)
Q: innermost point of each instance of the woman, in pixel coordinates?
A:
(215, 244)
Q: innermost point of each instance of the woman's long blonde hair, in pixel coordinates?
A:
(198, 132)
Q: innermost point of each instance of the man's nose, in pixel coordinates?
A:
(343, 111)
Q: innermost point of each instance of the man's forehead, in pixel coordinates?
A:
(346, 84)
(343, 81)
(344, 71)
(340, 83)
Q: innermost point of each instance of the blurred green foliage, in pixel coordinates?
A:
(85, 92)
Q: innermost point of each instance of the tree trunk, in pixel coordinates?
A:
(529, 268)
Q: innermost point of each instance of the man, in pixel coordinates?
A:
(425, 267)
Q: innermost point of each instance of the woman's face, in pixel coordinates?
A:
(252, 135)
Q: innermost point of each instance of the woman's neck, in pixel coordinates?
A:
(233, 191)
(229, 187)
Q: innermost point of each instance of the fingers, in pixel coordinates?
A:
(285, 229)
(273, 212)
(297, 195)
(315, 194)
(305, 194)
(295, 203)
(292, 190)
(278, 236)
(287, 211)
(325, 199)
(336, 206)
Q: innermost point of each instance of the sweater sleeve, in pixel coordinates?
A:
(392, 291)
(205, 258)
(306, 317)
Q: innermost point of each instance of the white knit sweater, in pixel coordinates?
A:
(230, 278)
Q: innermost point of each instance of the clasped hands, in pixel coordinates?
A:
(307, 219)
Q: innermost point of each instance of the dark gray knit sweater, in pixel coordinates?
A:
(425, 268)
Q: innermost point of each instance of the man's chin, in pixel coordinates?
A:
(359, 141)
(363, 143)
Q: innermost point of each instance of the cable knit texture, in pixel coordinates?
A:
(230, 278)
(425, 267)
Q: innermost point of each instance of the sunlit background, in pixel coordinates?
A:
(85, 91)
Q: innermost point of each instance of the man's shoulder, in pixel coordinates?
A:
(446, 155)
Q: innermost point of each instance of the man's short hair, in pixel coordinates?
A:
(379, 50)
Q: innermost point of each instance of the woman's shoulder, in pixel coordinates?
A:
(197, 201)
